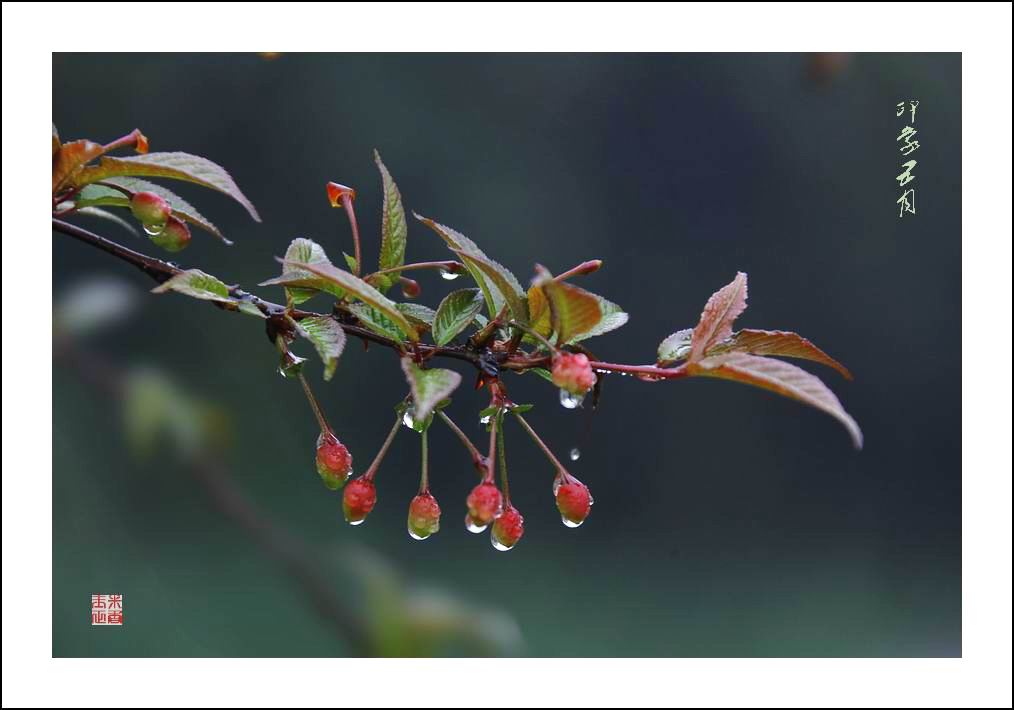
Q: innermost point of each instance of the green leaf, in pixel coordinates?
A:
(502, 281)
(110, 216)
(780, 343)
(377, 322)
(300, 284)
(455, 313)
(197, 284)
(429, 387)
(719, 313)
(175, 165)
(778, 377)
(573, 310)
(419, 314)
(327, 337)
(676, 347)
(351, 262)
(394, 227)
(457, 241)
(355, 286)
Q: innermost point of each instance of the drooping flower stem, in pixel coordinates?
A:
(424, 477)
(504, 485)
(452, 266)
(491, 458)
(372, 470)
(325, 428)
(542, 445)
(478, 460)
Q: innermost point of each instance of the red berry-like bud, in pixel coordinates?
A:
(150, 210)
(335, 192)
(423, 516)
(174, 236)
(334, 462)
(358, 500)
(507, 529)
(484, 504)
(572, 372)
(410, 288)
(574, 501)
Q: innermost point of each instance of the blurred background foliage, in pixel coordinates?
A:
(727, 521)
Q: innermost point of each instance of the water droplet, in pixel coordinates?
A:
(407, 419)
(357, 522)
(498, 544)
(571, 523)
(474, 527)
(448, 275)
(570, 401)
(485, 419)
(575, 454)
(416, 536)
(153, 230)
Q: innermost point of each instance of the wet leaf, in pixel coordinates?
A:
(676, 347)
(455, 313)
(394, 227)
(327, 337)
(300, 284)
(109, 216)
(175, 166)
(719, 313)
(780, 343)
(419, 314)
(197, 284)
(376, 321)
(70, 160)
(573, 310)
(429, 387)
(355, 286)
(781, 378)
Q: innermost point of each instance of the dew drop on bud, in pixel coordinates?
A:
(498, 544)
(485, 419)
(414, 535)
(569, 400)
(407, 419)
(571, 523)
(473, 526)
(153, 230)
(448, 275)
(356, 522)
(575, 454)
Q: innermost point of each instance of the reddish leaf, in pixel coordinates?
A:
(719, 313)
(778, 342)
(780, 377)
(573, 310)
(71, 158)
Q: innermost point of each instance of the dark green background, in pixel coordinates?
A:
(727, 521)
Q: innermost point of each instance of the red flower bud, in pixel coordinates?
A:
(573, 373)
(358, 500)
(574, 501)
(334, 462)
(423, 516)
(150, 210)
(410, 288)
(484, 504)
(507, 529)
(174, 236)
(335, 192)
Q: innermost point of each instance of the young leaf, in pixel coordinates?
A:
(107, 215)
(394, 228)
(538, 311)
(196, 284)
(429, 387)
(573, 310)
(455, 313)
(675, 347)
(613, 317)
(300, 284)
(502, 281)
(781, 343)
(69, 160)
(327, 337)
(779, 377)
(722, 309)
(176, 166)
(361, 290)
